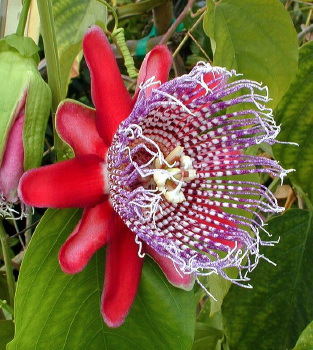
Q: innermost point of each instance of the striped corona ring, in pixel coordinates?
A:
(179, 176)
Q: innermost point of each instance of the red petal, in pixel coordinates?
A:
(177, 279)
(112, 101)
(76, 125)
(90, 234)
(122, 275)
(157, 63)
(75, 183)
(212, 80)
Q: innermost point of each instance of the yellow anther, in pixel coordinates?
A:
(174, 155)
(174, 171)
(157, 164)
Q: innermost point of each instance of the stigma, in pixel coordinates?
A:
(172, 173)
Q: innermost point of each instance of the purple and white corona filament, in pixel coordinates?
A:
(171, 166)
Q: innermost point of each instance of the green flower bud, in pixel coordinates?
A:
(25, 101)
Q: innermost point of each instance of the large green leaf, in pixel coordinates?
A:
(59, 311)
(72, 18)
(305, 341)
(255, 37)
(295, 113)
(274, 313)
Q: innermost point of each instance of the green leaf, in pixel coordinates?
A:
(274, 313)
(305, 341)
(138, 8)
(295, 112)
(255, 37)
(64, 310)
(218, 287)
(6, 333)
(71, 23)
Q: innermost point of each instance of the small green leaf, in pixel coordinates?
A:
(274, 313)
(209, 331)
(6, 333)
(305, 341)
(295, 112)
(138, 8)
(218, 287)
(64, 310)
(255, 37)
(207, 338)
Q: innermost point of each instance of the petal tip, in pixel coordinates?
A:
(186, 283)
(110, 322)
(157, 64)
(93, 30)
(22, 189)
(69, 266)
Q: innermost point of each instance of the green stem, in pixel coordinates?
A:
(5, 306)
(7, 262)
(23, 18)
(162, 17)
(29, 220)
(177, 22)
(187, 37)
(52, 61)
(103, 2)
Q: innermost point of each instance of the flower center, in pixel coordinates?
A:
(171, 174)
(144, 173)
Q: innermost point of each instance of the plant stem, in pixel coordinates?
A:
(179, 19)
(304, 32)
(29, 220)
(52, 60)
(162, 17)
(5, 306)
(7, 262)
(189, 34)
(23, 18)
